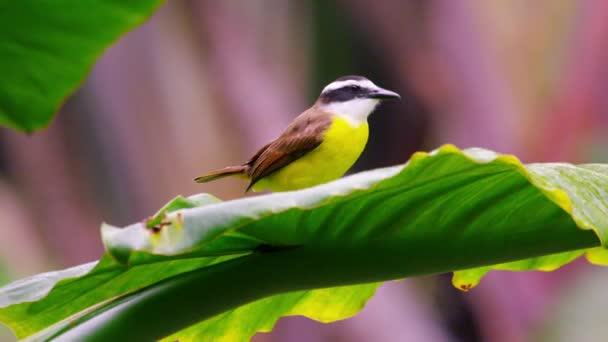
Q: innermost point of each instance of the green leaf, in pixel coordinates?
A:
(324, 305)
(468, 279)
(224, 270)
(48, 46)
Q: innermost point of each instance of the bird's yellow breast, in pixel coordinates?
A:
(341, 147)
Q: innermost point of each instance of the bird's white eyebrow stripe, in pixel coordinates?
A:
(340, 84)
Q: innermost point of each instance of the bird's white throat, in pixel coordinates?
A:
(355, 111)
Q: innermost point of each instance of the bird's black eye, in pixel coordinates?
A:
(354, 87)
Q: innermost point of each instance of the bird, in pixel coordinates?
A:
(318, 146)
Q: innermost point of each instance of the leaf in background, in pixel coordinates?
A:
(227, 269)
(48, 46)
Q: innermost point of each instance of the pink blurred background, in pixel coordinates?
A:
(203, 84)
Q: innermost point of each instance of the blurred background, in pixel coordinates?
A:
(204, 84)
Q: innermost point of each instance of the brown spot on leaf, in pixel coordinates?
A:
(466, 287)
(156, 224)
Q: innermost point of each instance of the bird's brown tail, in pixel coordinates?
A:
(221, 173)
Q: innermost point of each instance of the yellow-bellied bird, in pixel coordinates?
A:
(319, 145)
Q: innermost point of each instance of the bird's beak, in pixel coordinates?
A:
(383, 94)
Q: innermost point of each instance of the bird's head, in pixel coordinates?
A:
(353, 97)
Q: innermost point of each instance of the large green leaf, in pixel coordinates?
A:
(224, 270)
(47, 48)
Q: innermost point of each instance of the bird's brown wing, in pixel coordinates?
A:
(303, 135)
